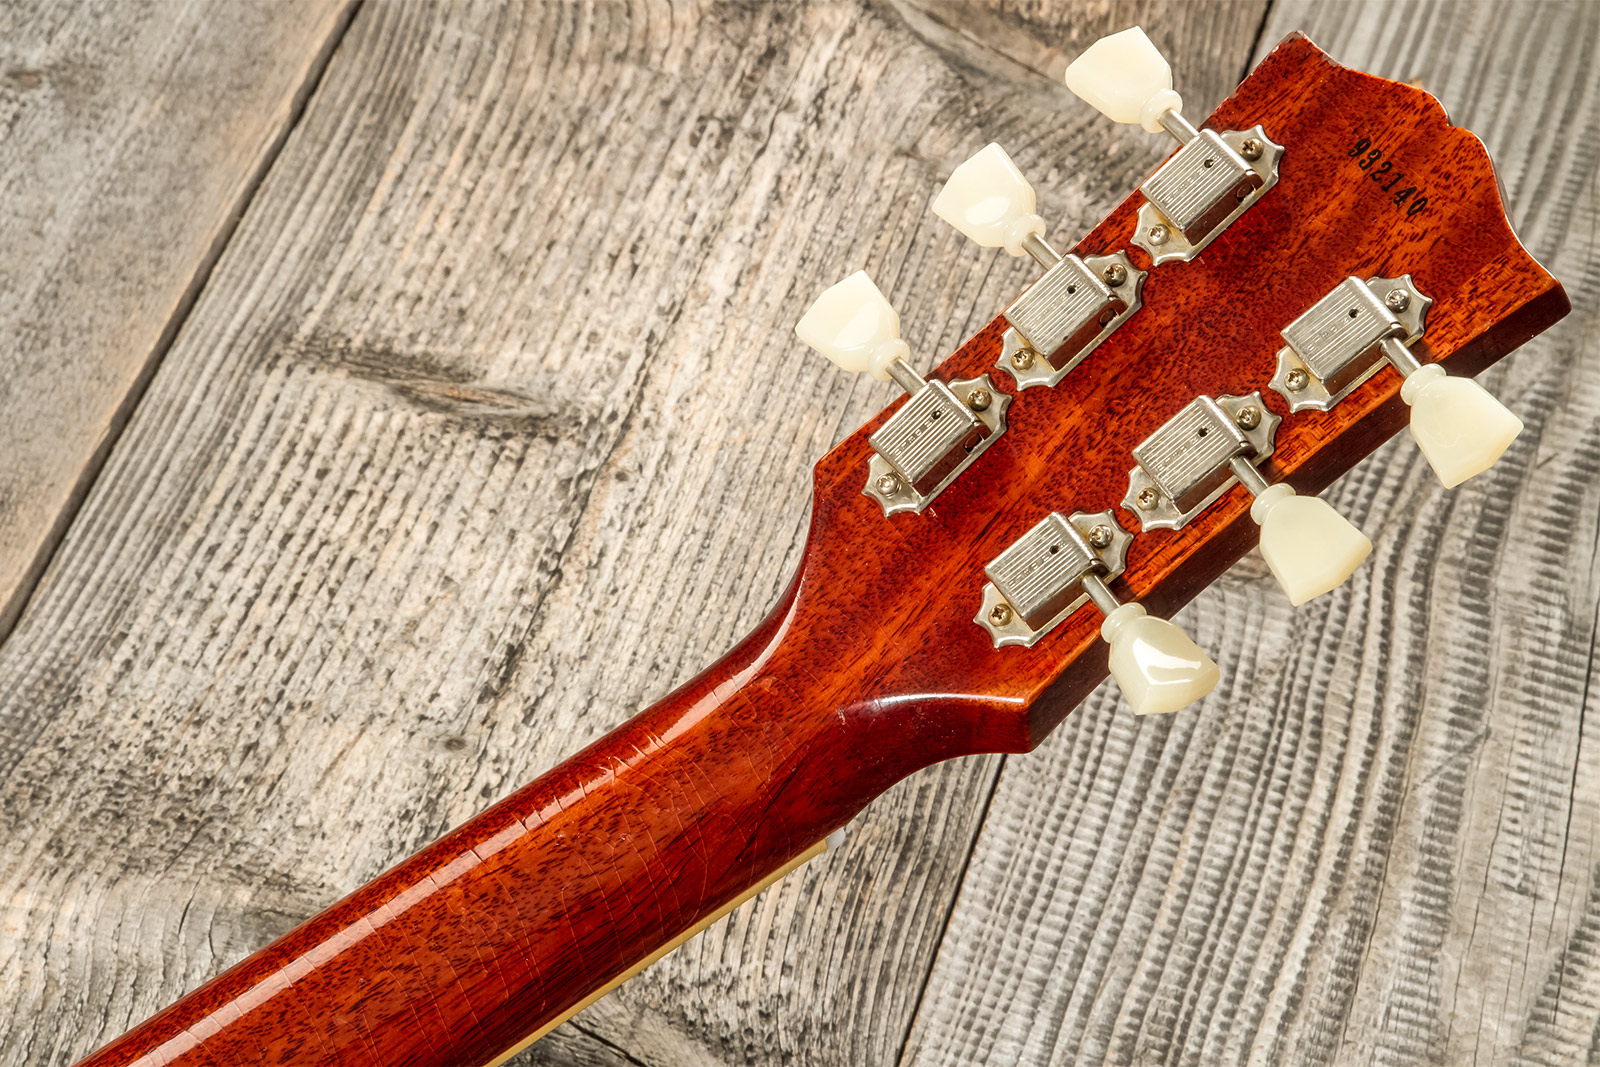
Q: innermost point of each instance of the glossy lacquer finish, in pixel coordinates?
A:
(871, 666)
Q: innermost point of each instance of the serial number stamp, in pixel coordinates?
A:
(1405, 195)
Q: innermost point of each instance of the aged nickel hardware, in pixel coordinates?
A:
(1078, 302)
(1186, 464)
(1040, 579)
(1053, 570)
(1211, 180)
(938, 432)
(1200, 453)
(1339, 342)
(1346, 337)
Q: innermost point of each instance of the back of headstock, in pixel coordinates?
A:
(1345, 176)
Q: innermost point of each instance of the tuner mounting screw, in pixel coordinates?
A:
(1100, 536)
(1397, 300)
(978, 399)
(1000, 614)
(1251, 149)
(1296, 380)
(1148, 498)
(1248, 418)
(889, 485)
(1115, 274)
(1158, 235)
(1022, 358)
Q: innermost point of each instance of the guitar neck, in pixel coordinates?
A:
(516, 919)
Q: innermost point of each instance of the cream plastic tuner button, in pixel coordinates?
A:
(1309, 547)
(1126, 79)
(1156, 665)
(989, 200)
(853, 324)
(1459, 427)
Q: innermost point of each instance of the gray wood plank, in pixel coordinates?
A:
(1378, 842)
(573, 1046)
(488, 428)
(133, 134)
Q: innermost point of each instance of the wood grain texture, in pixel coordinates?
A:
(133, 135)
(1377, 842)
(345, 578)
(870, 668)
(375, 551)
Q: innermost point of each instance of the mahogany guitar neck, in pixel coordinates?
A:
(508, 924)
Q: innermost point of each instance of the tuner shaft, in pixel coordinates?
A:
(1035, 245)
(1174, 123)
(904, 376)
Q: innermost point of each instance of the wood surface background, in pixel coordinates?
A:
(394, 398)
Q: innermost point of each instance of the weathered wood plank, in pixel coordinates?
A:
(1378, 842)
(572, 1046)
(488, 428)
(133, 135)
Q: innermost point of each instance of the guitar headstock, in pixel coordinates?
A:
(1233, 337)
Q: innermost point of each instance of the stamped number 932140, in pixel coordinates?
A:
(1390, 179)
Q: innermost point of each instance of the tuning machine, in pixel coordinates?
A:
(1061, 564)
(938, 432)
(1078, 302)
(1211, 180)
(1200, 453)
(1346, 337)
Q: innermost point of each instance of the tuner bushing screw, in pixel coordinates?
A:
(1115, 274)
(978, 399)
(1148, 498)
(1022, 359)
(1158, 235)
(1000, 614)
(1100, 536)
(1296, 380)
(888, 485)
(1251, 149)
(1397, 300)
(1248, 418)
